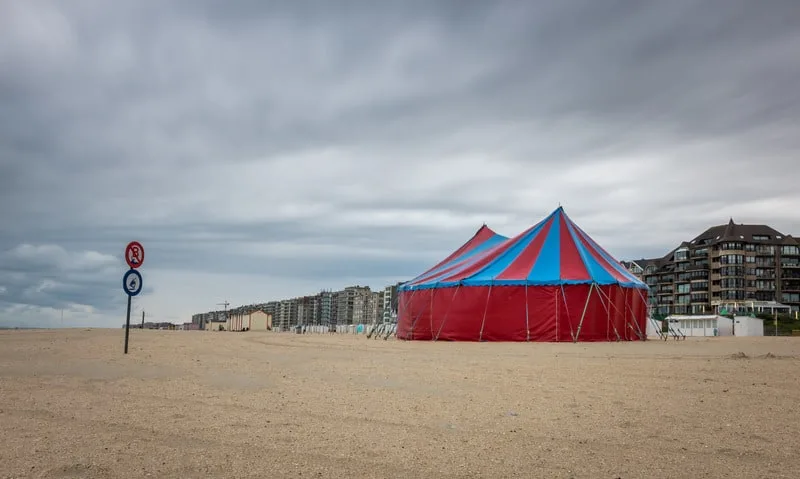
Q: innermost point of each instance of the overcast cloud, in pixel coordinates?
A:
(263, 150)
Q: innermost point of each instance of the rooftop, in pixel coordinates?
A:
(742, 232)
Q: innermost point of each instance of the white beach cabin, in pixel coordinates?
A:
(714, 325)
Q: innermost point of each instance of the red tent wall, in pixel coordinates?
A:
(523, 313)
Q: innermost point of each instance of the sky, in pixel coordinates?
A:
(265, 150)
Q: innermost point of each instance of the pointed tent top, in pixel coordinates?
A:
(483, 239)
(555, 251)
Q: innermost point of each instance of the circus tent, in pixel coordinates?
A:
(483, 240)
(552, 282)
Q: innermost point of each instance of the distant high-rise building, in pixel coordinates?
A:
(726, 264)
(325, 307)
(389, 310)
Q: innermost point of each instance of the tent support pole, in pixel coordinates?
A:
(633, 314)
(608, 313)
(566, 308)
(637, 329)
(414, 322)
(452, 300)
(485, 310)
(608, 310)
(431, 315)
(527, 323)
(583, 315)
(410, 334)
(555, 294)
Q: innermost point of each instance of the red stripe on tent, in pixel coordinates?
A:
(485, 259)
(480, 237)
(572, 267)
(457, 266)
(521, 267)
(600, 248)
(605, 264)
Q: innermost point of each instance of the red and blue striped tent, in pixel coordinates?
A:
(552, 282)
(481, 241)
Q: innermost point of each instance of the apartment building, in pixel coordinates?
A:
(287, 314)
(635, 268)
(726, 264)
(389, 313)
(327, 312)
(307, 310)
(352, 305)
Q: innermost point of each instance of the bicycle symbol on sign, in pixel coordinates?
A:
(134, 254)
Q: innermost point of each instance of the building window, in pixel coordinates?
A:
(733, 294)
(765, 273)
(731, 283)
(761, 237)
(790, 250)
(731, 259)
(699, 297)
(790, 297)
(764, 249)
(682, 255)
(731, 271)
(765, 284)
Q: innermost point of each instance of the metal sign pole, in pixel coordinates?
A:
(132, 281)
(128, 324)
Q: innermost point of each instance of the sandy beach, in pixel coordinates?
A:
(196, 404)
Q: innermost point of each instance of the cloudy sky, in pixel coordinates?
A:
(262, 150)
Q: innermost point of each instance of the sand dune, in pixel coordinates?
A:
(197, 404)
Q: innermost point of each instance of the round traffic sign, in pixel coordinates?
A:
(134, 254)
(132, 282)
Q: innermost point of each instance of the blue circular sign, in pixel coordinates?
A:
(132, 282)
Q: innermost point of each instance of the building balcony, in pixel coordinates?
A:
(698, 267)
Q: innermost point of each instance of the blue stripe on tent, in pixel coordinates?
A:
(595, 269)
(546, 271)
(489, 243)
(548, 264)
(469, 263)
(457, 269)
(499, 264)
(614, 263)
(515, 282)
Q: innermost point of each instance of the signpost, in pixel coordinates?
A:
(134, 254)
(132, 280)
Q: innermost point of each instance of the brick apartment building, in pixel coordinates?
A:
(725, 264)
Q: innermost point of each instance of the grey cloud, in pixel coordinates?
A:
(213, 131)
(49, 276)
